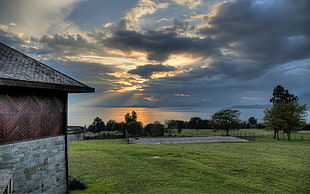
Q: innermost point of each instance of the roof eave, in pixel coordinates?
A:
(59, 87)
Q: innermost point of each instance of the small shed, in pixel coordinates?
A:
(33, 122)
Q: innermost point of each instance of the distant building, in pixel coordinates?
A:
(33, 123)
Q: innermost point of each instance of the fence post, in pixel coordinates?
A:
(127, 136)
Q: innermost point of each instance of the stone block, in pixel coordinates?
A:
(39, 165)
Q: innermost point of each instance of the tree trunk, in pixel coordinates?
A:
(289, 135)
(227, 132)
(276, 134)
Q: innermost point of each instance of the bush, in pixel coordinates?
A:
(103, 135)
(306, 127)
(134, 128)
(155, 129)
(76, 183)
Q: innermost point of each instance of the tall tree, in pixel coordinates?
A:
(195, 123)
(113, 125)
(97, 126)
(132, 117)
(252, 122)
(285, 113)
(226, 120)
(286, 116)
(282, 95)
(155, 129)
(132, 126)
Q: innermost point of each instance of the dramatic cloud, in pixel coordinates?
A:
(11, 38)
(87, 72)
(152, 99)
(191, 4)
(64, 44)
(37, 18)
(145, 7)
(168, 53)
(147, 70)
(182, 95)
(256, 36)
(160, 45)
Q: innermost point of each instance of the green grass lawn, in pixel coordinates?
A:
(262, 166)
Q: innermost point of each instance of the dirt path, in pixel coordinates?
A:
(169, 140)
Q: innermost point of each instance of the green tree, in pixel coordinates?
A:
(282, 95)
(195, 123)
(180, 126)
(174, 124)
(97, 126)
(155, 129)
(286, 116)
(132, 126)
(132, 117)
(252, 122)
(113, 126)
(171, 124)
(274, 118)
(226, 120)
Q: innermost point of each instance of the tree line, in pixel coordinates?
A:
(286, 115)
(136, 128)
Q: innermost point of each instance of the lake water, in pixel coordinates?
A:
(84, 116)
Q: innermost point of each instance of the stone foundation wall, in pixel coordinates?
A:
(39, 165)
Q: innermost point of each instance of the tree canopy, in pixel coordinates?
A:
(132, 126)
(132, 117)
(282, 95)
(226, 120)
(286, 116)
(97, 126)
(286, 113)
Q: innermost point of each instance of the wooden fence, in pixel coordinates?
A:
(295, 136)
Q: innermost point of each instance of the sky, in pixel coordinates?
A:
(167, 52)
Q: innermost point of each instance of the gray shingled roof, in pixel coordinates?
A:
(17, 69)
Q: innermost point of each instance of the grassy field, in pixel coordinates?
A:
(261, 166)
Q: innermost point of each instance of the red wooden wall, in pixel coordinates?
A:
(31, 114)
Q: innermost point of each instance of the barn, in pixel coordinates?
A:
(33, 124)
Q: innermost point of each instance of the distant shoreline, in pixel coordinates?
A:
(234, 106)
(257, 106)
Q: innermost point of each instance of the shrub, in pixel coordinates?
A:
(306, 127)
(155, 129)
(76, 183)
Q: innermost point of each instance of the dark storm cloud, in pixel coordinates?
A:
(147, 70)
(245, 38)
(84, 70)
(159, 45)
(64, 44)
(93, 74)
(262, 34)
(244, 48)
(209, 87)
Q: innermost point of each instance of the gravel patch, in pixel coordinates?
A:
(169, 140)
